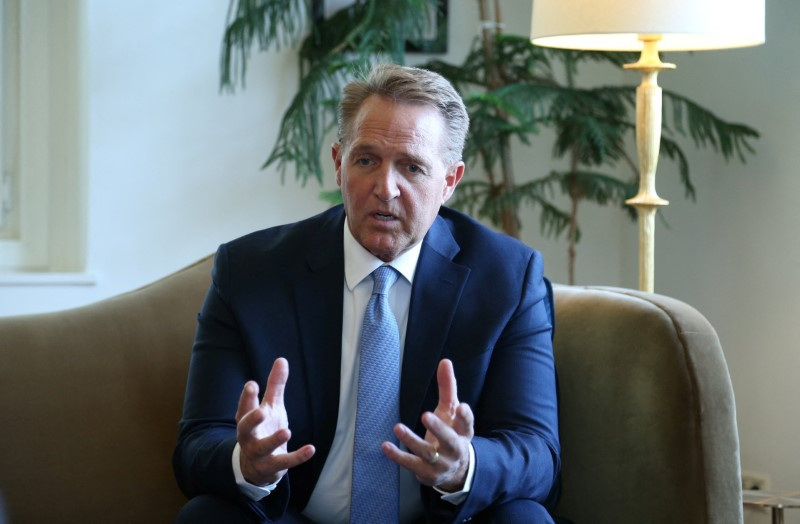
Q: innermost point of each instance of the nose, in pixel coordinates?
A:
(386, 187)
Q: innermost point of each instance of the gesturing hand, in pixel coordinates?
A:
(441, 459)
(262, 430)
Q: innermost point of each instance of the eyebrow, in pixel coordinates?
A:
(370, 149)
(362, 148)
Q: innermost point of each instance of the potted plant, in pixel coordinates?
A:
(512, 90)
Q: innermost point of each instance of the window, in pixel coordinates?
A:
(9, 53)
(42, 195)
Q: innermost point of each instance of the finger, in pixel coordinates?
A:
(248, 401)
(426, 473)
(417, 446)
(282, 461)
(247, 426)
(270, 469)
(268, 445)
(448, 392)
(276, 383)
(464, 421)
(409, 461)
(299, 456)
(446, 437)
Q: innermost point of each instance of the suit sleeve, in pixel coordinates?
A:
(218, 371)
(517, 451)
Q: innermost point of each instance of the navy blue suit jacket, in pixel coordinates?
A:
(478, 298)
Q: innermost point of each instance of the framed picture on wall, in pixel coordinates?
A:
(434, 38)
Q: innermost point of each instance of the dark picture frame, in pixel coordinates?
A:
(434, 39)
(435, 34)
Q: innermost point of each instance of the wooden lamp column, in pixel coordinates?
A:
(648, 141)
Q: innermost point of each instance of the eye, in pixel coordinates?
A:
(363, 161)
(415, 169)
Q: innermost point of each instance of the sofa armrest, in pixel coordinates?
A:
(647, 414)
(90, 400)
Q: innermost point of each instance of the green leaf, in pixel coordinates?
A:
(708, 130)
(270, 23)
(481, 199)
(600, 188)
(333, 197)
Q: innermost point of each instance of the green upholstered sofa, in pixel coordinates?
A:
(90, 399)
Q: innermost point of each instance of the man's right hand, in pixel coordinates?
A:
(262, 431)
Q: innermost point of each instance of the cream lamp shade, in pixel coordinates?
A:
(615, 25)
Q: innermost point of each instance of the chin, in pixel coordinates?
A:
(383, 251)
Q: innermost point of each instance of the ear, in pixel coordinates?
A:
(451, 179)
(336, 150)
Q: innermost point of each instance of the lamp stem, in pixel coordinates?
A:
(648, 141)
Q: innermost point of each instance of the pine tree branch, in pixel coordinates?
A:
(707, 130)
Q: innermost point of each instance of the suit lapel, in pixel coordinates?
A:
(319, 310)
(438, 283)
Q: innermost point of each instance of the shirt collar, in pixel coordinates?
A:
(359, 263)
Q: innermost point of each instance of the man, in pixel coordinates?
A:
(477, 430)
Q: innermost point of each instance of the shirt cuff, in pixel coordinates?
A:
(251, 491)
(457, 497)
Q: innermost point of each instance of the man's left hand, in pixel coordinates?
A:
(441, 459)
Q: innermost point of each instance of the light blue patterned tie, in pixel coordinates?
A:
(374, 497)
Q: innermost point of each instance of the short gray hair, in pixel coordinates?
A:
(411, 85)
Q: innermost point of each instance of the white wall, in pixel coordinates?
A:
(173, 165)
(173, 170)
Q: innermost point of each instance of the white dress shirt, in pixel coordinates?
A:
(330, 500)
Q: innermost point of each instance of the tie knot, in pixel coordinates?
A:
(383, 278)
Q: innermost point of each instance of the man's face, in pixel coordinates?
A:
(392, 175)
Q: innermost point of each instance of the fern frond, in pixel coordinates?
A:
(707, 130)
(593, 140)
(309, 117)
(670, 149)
(481, 199)
(332, 53)
(333, 197)
(270, 23)
(596, 187)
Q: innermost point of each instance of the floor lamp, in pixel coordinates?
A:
(648, 26)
